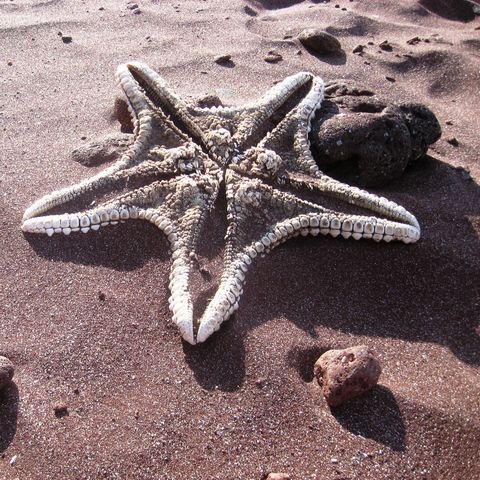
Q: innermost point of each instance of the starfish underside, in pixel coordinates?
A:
(182, 155)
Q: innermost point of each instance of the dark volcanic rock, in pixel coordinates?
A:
(6, 371)
(319, 42)
(367, 140)
(344, 374)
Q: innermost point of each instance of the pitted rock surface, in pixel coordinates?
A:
(6, 371)
(367, 140)
(344, 374)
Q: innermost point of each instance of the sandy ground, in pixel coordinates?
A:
(144, 405)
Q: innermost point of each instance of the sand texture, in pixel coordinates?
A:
(141, 403)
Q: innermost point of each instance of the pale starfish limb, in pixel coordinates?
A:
(133, 155)
(249, 197)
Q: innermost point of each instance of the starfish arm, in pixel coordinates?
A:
(178, 207)
(262, 217)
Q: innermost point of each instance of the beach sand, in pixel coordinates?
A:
(142, 404)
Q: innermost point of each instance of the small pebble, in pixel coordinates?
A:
(273, 57)
(9, 63)
(453, 141)
(448, 122)
(390, 79)
(413, 41)
(132, 6)
(385, 46)
(222, 59)
(358, 49)
(6, 371)
(319, 41)
(13, 460)
(278, 476)
(67, 39)
(334, 461)
(101, 296)
(60, 409)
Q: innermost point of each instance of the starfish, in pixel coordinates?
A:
(181, 158)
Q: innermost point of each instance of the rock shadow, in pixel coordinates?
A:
(9, 400)
(375, 415)
(337, 58)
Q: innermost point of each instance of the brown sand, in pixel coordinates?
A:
(142, 404)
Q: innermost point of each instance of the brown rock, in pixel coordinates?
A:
(344, 374)
(121, 113)
(386, 46)
(320, 42)
(278, 476)
(223, 59)
(6, 371)
(273, 57)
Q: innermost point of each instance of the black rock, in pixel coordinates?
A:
(366, 140)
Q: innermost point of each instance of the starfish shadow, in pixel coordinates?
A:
(124, 247)
(9, 400)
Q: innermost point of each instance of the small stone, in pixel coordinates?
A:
(385, 46)
(13, 460)
(122, 114)
(320, 42)
(83, 138)
(260, 382)
(222, 59)
(136, 11)
(101, 8)
(132, 6)
(67, 39)
(358, 49)
(448, 122)
(344, 374)
(60, 409)
(76, 391)
(101, 296)
(453, 141)
(208, 100)
(370, 43)
(9, 63)
(390, 79)
(6, 371)
(413, 41)
(278, 476)
(334, 461)
(273, 57)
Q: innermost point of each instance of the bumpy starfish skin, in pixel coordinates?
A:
(181, 157)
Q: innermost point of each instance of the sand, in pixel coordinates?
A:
(141, 403)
